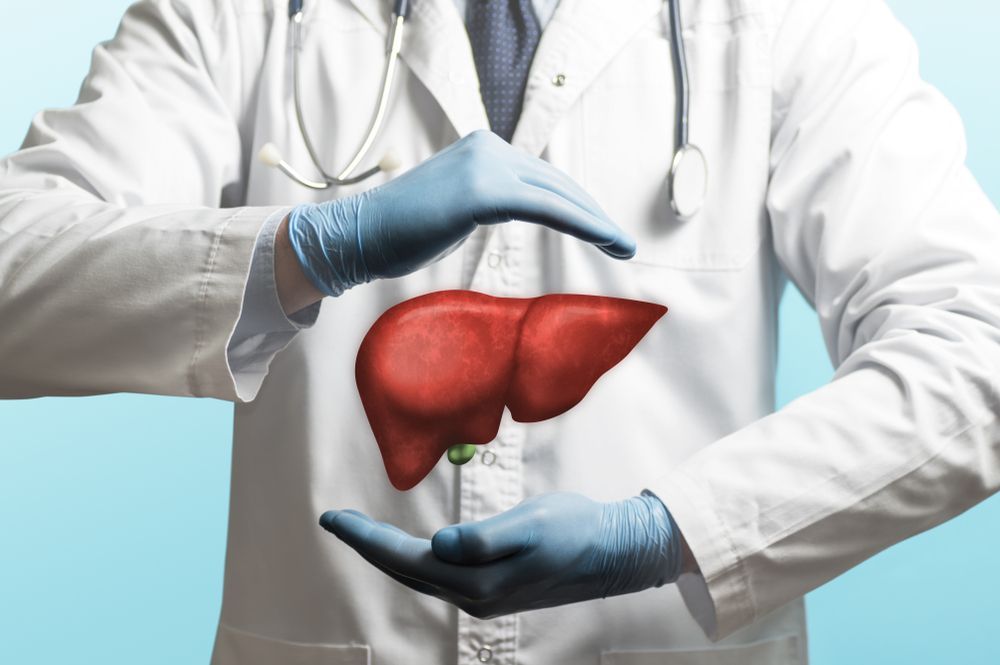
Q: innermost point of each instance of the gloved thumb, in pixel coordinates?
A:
(482, 542)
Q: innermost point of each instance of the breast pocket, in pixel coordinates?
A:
(781, 651)
(628, 118)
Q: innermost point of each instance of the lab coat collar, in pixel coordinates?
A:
(580, 40)
(436, 49)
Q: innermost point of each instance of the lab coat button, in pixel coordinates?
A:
(494, 259)
(485, 655)
(559, 80)
(489, 457)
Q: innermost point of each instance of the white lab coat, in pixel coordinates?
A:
(128, 222)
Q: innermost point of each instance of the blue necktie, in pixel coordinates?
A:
(504, 35)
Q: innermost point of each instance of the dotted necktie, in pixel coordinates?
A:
(504, 35)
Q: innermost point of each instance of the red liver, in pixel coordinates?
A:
(437, 370)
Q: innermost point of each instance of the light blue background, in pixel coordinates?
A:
(113, 509)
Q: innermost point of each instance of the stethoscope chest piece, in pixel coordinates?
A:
(688, 181)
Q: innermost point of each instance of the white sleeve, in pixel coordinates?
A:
(878, 222)
(121, 268)
(263, 328)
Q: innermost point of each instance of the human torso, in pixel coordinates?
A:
(706, 369)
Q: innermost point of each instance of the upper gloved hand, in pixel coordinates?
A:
(403, 225)
(549, 550)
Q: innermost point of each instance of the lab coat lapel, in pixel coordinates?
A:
(436, 49)
(582, 37)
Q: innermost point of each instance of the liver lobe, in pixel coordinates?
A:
(437, 370)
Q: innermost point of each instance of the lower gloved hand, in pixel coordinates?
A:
(403, 225)
(550, 550)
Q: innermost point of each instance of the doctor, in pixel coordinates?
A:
(142, 248)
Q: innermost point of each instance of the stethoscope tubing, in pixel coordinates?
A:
(683, 154)
(682, 86)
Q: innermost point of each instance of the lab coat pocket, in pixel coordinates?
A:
(237, 647)
(781, 651)
(628, 123)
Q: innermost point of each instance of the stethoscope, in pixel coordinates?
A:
(687, 181)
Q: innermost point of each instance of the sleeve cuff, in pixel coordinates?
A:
(262, 329)
(718, 596)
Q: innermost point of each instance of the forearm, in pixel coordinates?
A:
(775, 510)
(874, 218)
(100, 298)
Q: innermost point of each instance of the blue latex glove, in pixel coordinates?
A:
(403, 225)
(549, 550)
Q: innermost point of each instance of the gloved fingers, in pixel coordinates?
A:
(416, 585)
(623, 247)
(395, 551)
(480, 609)
(489, 540)
(579, 198)
(542, 174)
(413, 584)
(369, 537)
(540, 206)
(360, 514)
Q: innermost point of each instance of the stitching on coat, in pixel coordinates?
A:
(201, 326)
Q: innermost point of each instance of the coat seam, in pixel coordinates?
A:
(202, 324)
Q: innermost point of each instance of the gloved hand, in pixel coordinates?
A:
(549, 550)
(403, 225)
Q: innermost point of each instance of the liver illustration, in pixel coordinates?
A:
(437, 370)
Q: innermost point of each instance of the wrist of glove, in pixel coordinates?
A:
(550, 550)
(641, 547)
(326, 239)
